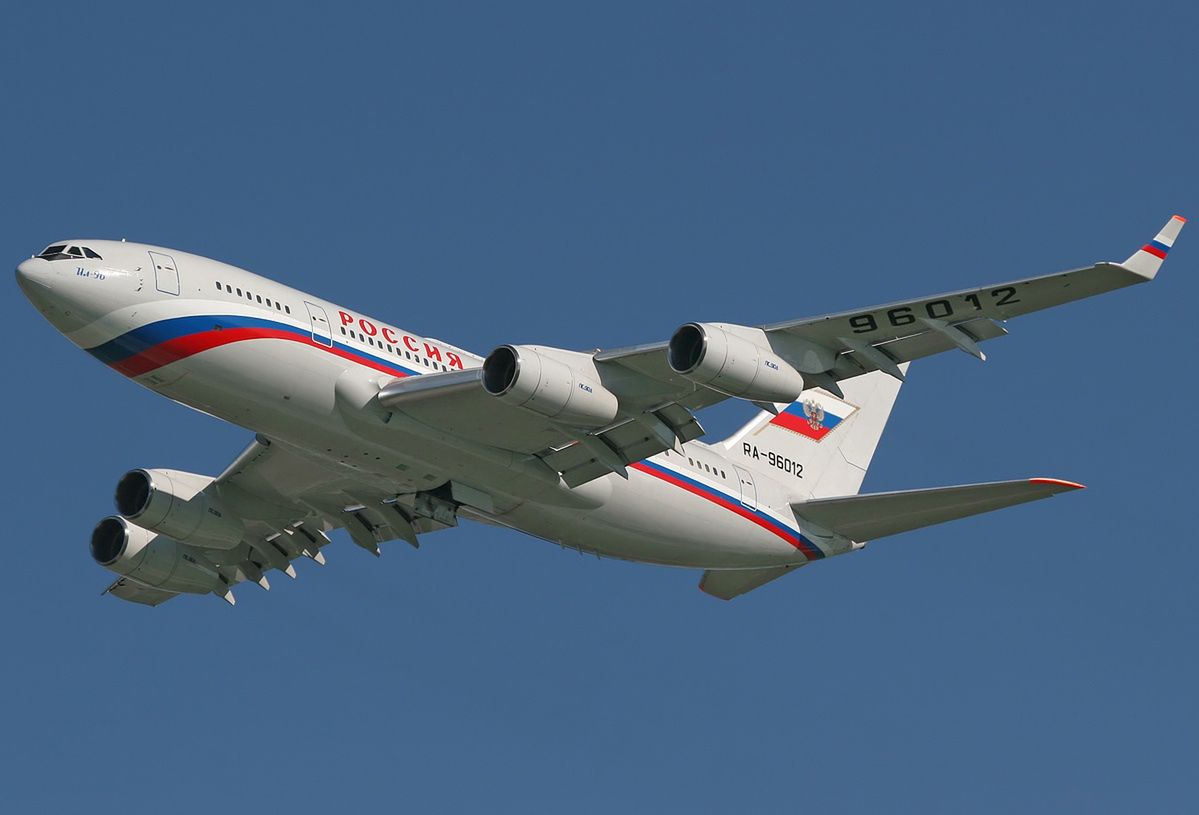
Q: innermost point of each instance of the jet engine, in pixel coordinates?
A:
(177, 504)
(533, 379)
(155, 560)
(722, 358)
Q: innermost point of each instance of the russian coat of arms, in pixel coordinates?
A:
(815, 414)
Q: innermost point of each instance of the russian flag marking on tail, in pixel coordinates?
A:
(814, 416)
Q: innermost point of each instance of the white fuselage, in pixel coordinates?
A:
(299, 369)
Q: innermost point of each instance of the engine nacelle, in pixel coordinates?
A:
(174, 503)
(529, 377)
(729, 362)
(155, 560)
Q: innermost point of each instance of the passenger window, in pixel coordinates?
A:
(343, 330)
(692, 463)
(228, 288)
(259, 298)
(288, 309)
(239, 291)
(277, 308)
(218, 285)
(722, 475)
(268, 305)
(249, 296)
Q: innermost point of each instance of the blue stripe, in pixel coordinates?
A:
(653, 465)
(1159, 245)
(147, 336)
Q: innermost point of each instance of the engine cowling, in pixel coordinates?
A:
(155, 560)
(715, 356)
(530, 378)
(175, 503)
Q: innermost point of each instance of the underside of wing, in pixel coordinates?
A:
(459, 404)
(831, 348)
(273, 505)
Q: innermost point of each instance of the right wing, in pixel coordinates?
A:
(288, 503)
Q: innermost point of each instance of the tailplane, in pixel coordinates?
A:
(825, 441)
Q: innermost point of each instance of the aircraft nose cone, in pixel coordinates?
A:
(33, 272)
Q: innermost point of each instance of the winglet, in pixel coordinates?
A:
(1148, 259)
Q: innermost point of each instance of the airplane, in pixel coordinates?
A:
(363, 426)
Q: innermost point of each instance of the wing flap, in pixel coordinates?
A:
(129, 589)
(867, 517)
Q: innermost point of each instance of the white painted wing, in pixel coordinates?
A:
(862, 518)
(833, 347)
(288, 503)
(824, 349)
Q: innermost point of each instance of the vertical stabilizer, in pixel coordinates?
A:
(831, 437)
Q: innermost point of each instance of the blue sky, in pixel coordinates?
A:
(592, 177)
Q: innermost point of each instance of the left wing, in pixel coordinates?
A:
(656, 393)
(841, 346)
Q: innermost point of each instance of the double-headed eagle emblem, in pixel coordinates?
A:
(815, 413)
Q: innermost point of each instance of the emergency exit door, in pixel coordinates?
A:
(320, 324)
(749, 491)
(166, 274)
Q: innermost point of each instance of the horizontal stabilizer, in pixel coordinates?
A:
(729, 583)
(867, 517)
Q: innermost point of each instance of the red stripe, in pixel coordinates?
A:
(179, 348)
(1153, 250)
(1057, 481)
(799, 424)
(717, 499)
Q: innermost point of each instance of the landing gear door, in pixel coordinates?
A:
(319, 322)
(749, 491)
(166, 274)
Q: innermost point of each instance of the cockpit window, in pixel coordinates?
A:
(54, 252)
(60, 251)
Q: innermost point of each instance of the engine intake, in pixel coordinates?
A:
(177, 504)
(155, 560)
(531, 378)
(724, 359)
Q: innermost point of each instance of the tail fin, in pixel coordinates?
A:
(831, 438)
